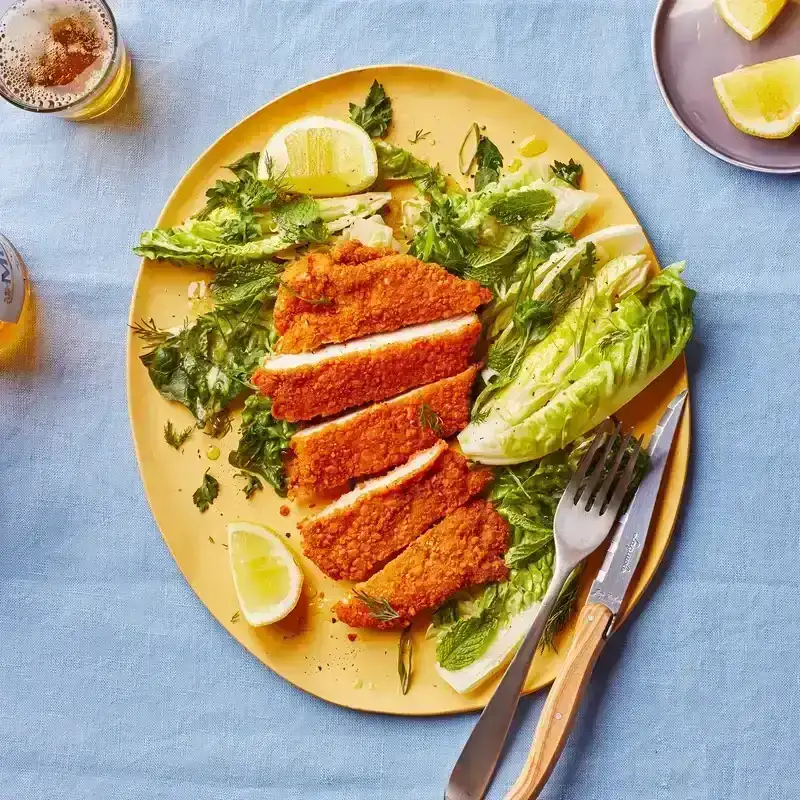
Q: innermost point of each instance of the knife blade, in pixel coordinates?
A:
(631, 531)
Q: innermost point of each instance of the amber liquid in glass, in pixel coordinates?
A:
(62, 57)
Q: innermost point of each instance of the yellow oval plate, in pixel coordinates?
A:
(310, 649)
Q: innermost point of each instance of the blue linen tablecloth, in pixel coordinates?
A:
(114, 680)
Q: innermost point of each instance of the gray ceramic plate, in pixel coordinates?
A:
(692, 44)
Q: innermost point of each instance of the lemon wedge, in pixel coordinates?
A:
(750, 18)
(763, 100)
(265, 574)
(322, 157)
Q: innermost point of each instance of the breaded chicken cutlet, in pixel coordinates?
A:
(464, 549)
(357, 291)
(341, 376)
(354, 536)
(373, 439)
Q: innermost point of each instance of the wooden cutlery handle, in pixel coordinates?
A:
(560, 709)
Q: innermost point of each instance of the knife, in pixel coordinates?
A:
(597, 619)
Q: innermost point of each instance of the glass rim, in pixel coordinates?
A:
(61, 109)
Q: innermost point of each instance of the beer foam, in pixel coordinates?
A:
(24, 33)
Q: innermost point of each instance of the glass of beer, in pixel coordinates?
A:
(62, 57)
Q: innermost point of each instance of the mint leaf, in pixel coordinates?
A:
(512, 209)
(466, 641)
(489, 161)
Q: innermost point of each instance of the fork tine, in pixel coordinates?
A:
(625, 479)
(597, 473)
(573, 487)
(603, 491)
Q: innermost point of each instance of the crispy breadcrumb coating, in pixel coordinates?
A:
(381, 436)
(351, 543)
(357, 291)
(335, 384)
(466, 548)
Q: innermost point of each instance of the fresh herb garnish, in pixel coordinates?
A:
(148, 331)
(206, 493)
(419, 136)
(175, 438)
(405, 662)
(489, 161)
(442, 239)
(466, 639)
(571, 172)
(513, 209)
(379, 607)
(563, 609)
(245, 283)
(398, 164)
(241, 197)
(495, 265)
(263, 442)
(235, 617)
(376, 113)
(253, 484)
(429, 419)
(208, 363)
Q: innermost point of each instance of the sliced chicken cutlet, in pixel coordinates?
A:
(357, 291)
(354, 536)
(341, 376)
(464, 549)
(380, 436)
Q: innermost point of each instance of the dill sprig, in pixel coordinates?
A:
(148, 331)
(379, 607)
(175, 438)
(419, 136)
(562, 611)
(428, 418)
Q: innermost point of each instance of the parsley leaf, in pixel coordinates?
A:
(206, 493)
(376, 113)
(571, 172)
(175, 438)
(489, 161)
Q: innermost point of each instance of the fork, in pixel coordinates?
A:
(583, 519)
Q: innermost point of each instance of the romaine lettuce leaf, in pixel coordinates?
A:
(210, 240)
(605, 350)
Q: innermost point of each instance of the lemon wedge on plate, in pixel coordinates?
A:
(265, 573)
(321, 156)
(750, 18)
(763, 100)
